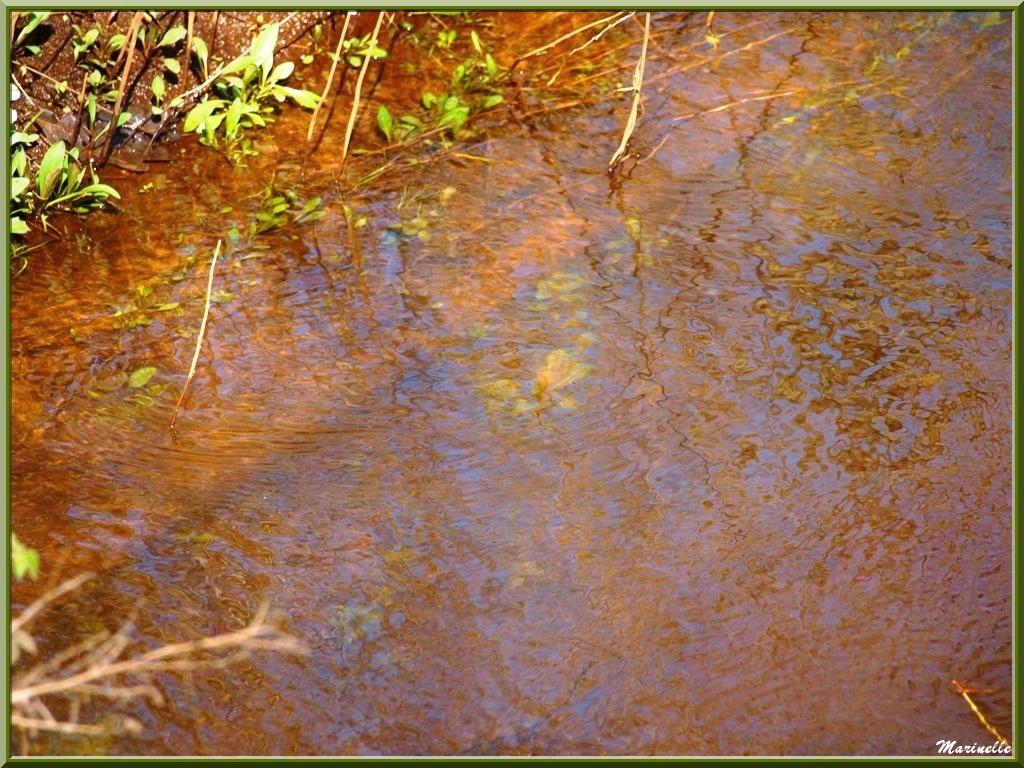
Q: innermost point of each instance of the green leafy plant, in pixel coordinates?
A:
(20, 181)
(244, 95)
(280, 208)
(355, 49)
(473, 87)
(60, 183)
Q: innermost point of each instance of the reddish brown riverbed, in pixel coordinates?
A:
(709, 458)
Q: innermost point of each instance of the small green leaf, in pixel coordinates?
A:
(454, 117)
(98, 191)
(263, 47)
(201, 112)
(173, 66)
(282, 71)
(201, 53)
(384, 122)
(232, 117)
(141, 376)
(20, 137)
(24, 561)
(51, 168)
(34, 19)
(306, 99)
(18, 185)
(172, 36)
(158, 88)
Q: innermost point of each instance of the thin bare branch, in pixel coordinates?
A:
(256, 635)
(34, 724)
(731, 104)
(124, 692)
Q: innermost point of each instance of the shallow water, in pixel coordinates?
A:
(708, 457)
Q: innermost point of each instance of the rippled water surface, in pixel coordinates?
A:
(707, 457)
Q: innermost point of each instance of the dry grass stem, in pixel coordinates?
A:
(575, 32)
(133, 34)
(974, 708)
(359, 87)
(199, 340)
(330, 77)
(638, 80)
(740, 102)
(600, 34)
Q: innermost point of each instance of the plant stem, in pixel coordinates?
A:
(330, 77)
(202, 332)
(359, 87)
(638, 80)
(133, 34)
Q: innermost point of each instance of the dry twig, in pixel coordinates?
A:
(91, 668)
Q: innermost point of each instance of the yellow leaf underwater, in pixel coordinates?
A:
(559, 370)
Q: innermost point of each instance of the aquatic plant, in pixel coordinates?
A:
(246, 89)
(474, 85)
(61, 182)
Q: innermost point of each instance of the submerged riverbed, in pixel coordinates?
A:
(711, 456)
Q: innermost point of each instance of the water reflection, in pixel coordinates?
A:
(713, 462)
